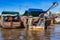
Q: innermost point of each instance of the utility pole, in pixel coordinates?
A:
(27, 18)
(20, 8)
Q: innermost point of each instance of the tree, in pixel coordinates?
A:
(32, 13)
(25, 14)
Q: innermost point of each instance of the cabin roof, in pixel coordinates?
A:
(8, 12)
(36, 10)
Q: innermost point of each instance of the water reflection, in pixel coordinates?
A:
(38, 35)
(23, 34)
(10, 34)
(55, 35)
(1, 38)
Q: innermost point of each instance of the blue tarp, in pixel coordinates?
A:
(32, 9)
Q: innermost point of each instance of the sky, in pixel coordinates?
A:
(22, 5)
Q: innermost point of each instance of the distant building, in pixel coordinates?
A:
(57, 13)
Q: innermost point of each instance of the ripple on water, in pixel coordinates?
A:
(30, 34)
(1, 36)
(56, 33)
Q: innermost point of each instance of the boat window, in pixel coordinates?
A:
(5, 19)
(10, 18)
(15, 18)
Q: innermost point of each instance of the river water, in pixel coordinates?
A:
(52, 33)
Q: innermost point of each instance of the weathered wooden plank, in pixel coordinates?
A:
(36, 28)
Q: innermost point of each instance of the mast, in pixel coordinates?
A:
(51, 7)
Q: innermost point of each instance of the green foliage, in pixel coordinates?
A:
(25, 14)
(33, 13)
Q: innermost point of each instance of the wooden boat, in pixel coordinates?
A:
(39, 26)
(10, 20)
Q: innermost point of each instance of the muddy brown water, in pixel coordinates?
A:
(52, 33)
